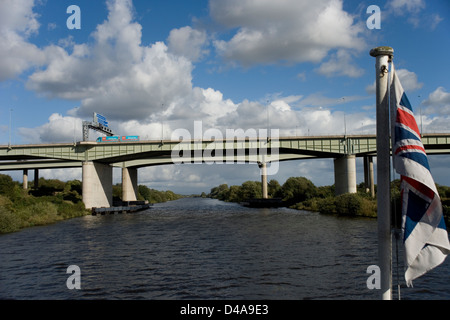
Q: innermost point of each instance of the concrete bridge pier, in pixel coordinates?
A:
(129, 184)
(345, 174)
(97, 184)
(263, 167)
(368, 175)
(36, 178)
(25, 179)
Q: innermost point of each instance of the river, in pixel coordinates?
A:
(197, 248)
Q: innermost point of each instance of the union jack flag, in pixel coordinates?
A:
(424, 233)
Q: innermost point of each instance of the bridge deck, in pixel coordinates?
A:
(147, 153)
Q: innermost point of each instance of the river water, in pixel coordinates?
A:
(197, 248)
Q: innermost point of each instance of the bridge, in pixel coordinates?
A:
(98, 159)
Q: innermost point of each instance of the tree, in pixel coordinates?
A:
(6, 184)
(251, 190)
(144, 192)
(220, 192)
(234, 194)
(298, 189)
(274, 189)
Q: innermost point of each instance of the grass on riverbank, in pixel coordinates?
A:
(53, 201)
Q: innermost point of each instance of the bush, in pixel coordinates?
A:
(298, 189)
(308, 205)
(6, 184)
(57, 202)
(9, 221)
(39, 213)
(327, 205)
(350, 204)
(73, 191)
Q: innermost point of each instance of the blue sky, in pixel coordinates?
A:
(153, 66)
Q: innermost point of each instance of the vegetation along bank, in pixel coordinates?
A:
(53, 201)
(300, 193)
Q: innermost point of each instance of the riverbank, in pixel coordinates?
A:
(350, 205)
(301, 194)
(53, 201)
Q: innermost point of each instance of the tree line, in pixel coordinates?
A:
(146, 193)
(300, 193)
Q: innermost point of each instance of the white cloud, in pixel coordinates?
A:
(284, 31)
(17, 24)
(433, 123)
(188, 42)
(18, 16)
(406, 6)
(188, 178)
(66, 174)
(438, 102)
(119, 77)
(116, 75)
(407, 78)
(340, 64)
(412, 9)
(148, 91)
(371, 88)
(319, 100)
(435, 20)
(57, 129)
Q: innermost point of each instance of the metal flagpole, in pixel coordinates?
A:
(383, 56)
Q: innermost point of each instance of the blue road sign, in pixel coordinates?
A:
(100, 119)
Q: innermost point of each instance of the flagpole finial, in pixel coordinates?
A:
(382, 51)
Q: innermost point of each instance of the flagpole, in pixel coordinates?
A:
(383, 56)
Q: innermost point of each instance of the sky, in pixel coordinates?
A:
(152, 67)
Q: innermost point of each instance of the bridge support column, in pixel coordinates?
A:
(345, 174)
(129, 184)
(25, 179)
(368, 175)
(263, 167)
(97, 185)
(36, 178)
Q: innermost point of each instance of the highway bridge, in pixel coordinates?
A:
(98, 158)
